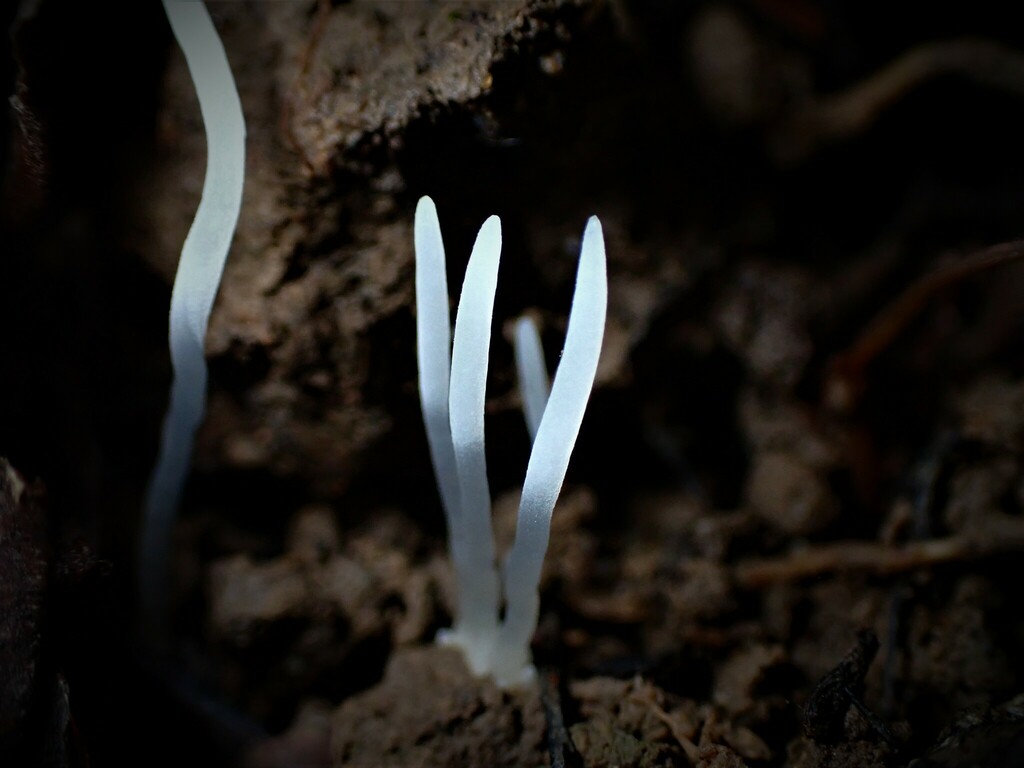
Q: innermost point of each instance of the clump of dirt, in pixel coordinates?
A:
(430, 711)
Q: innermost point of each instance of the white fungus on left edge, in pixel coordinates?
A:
(195, 287)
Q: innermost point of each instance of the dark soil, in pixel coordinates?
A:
(789, 529)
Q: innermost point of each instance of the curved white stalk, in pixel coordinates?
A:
(195, 288)
(473, 546)
(549, 459)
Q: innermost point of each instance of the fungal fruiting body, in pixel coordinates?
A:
(531, 372)
(195, 288)
(452, 392)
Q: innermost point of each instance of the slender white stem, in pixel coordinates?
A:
(433, 352)
(549, 459)
(473, 549)
(195, 288)
(531, 371)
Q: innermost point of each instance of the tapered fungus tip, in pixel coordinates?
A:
(592, 250)
(489, 239)
(427, 237)
(425, 207)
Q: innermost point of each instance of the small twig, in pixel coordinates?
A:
(692, 750)
(1003, 534)
(848, 556)
(925, 481)
(558, 737)
(848, 370)
(290, 100)
(852, 111)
